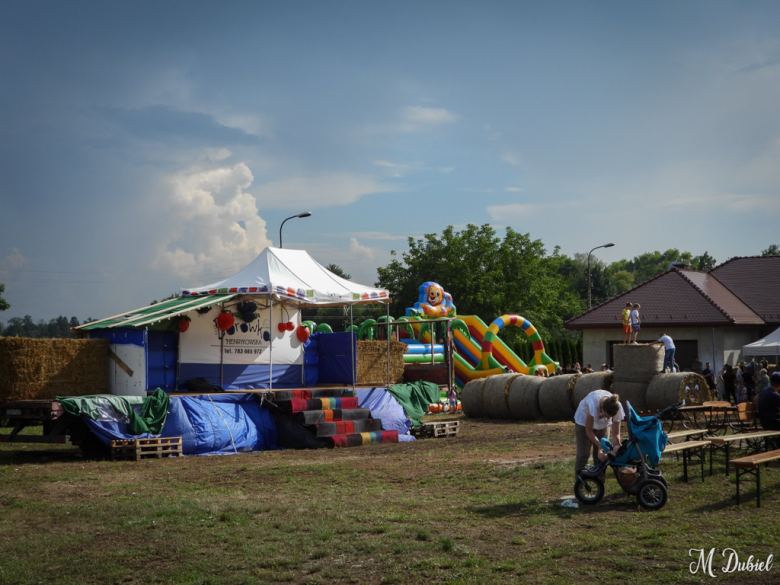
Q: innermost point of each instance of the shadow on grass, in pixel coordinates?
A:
(41, 456)
(610, 503)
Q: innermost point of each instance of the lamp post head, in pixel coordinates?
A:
(608, 245)
(308, 214)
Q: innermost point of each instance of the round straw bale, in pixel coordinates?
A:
(633, 392)
(555, 397)
(637, 363)
(667, 389)
(587, 383)
(524, 398)
(471, 398)
(494, 402)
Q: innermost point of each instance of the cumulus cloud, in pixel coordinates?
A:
(360, 250)
(14, 260)
(322, 191)
(216, 220)
(512, 212)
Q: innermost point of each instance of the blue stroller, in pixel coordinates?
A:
(634, 463)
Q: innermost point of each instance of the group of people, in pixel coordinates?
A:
(747, 380)
(631, 322)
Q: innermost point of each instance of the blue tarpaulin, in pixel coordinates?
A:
(337, 357)
(311, 361)
(209, 424)
(384, 406)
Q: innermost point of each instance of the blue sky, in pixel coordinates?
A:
(147, 146)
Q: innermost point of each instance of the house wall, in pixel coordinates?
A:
(728, 342)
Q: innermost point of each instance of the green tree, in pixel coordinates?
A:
(704, 262)
(4, 306)
(622, 280)
(338, 271)
(486, 275)
(772, 250)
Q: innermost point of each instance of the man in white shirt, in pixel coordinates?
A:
(669, 353)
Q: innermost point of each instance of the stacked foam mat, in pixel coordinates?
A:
(330, 417)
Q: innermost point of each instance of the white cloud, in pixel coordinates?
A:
(512, 212)
(401, 167)
(428, 116)
(359, 249)
(512, 158)
(322, 191)
(14, 260)
(215, 221)
(513, 189)
(217, 154)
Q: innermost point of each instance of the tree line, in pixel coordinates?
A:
(487, 275)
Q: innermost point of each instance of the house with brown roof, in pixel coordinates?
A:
(710, 315)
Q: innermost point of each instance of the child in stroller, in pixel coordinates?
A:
(634, 463)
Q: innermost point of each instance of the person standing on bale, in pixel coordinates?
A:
(668, 353)
(627, 323)
(597, 411)
(635, 323)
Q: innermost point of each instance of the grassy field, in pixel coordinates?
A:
(483, 507)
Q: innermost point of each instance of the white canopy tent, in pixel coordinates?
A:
(295, 276)
(769, 345)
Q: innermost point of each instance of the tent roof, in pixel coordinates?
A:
(154, 313)
(769, 345)
(293, 275)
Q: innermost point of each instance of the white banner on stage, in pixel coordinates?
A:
(244, 343)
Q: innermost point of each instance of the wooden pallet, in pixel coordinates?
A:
(137, 449)
(437, 429)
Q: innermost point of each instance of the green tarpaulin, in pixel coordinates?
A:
(415, 398)
(154, 409)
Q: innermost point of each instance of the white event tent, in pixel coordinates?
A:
(769, 345)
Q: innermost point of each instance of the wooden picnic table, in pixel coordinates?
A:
(687, 449)
(712, 416)
(756, 443)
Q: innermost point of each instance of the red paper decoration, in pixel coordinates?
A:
(303, 333)
(225, 321)
(282, 327)
(184, 324)
(290, 326)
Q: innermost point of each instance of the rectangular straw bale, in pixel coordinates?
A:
(372, 362)
(41, 369)
(637, 363)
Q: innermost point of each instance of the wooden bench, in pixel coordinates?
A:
(756, 442)
(687, 435)
(751, 465)
(688, 449)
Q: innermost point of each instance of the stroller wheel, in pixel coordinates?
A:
(651, 494)
(589, 490)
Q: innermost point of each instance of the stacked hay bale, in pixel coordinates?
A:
(587, 383)
(372, 362)
(41, 369)
(556, 397)
(635, 366)
(471, 399)
(495, 396)
(666, 389)
(523, 398)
